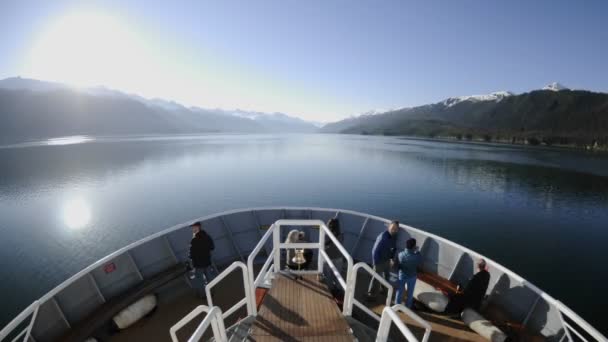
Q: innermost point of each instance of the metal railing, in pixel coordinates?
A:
(576, 324)
(256, 282)
(580, 323)
(32, 311)
(274, 257)
(249, 299)
(390, 315)
(354, 301)
(213, 318)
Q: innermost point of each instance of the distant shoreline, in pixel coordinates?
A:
(477, 141)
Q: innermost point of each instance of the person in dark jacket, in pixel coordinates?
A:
(201, 246)
(473, 293)
(383, 254)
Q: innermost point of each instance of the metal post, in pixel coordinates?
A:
(353, 252)
(103, 299)
(231, 238)
(321, 247)
(32, 320)
(61, 314)
(259, 225)
(561, 318)
(170, 249)
(525, 322)
(141, 277)
(456, 265)
(276, 241)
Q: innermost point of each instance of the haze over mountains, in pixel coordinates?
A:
(36, 110)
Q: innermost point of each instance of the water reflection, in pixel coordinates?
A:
(76, 213)
(518, 206)
(76, 139)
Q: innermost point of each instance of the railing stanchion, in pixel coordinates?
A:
(389, 315)
(249, 300)
(214, 318)
(321, 247)
(276, 241)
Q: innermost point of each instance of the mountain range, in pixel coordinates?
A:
(35, 110)
(553, 115)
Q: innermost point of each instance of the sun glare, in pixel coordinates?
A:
(83, 49)
(76, 213)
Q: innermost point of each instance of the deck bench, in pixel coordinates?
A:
(103, 314)
(433, 286)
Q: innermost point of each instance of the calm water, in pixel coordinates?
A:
(542, 213)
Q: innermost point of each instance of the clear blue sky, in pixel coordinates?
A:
(321, 60)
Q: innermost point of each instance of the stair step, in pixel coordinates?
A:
(240, 330)
(362, 332)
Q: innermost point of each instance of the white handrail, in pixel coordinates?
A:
(349, 291)
(320, 246)
(163, 232)
(30, 310)
(564, 310)
(249, 291)
(214, 317)
(389, 315)
(334, 270)
(254, 282)
(263, 270)
(353, 301)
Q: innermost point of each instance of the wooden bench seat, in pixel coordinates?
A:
(103, 314)
(491, 311)
(438, 282)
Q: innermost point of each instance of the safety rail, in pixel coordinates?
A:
(353, 301)
(249, 299)
(274, 257)
(581, 323)
(213, 318)
(389, 315)
(32, 311)
(574, 324)
(256, 282)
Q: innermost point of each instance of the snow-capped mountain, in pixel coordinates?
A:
(555, 86)
(111, 111)
(375, 112)
(265, 122)
(274, 121)
(495, 96)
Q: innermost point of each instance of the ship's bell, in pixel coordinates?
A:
(299, 258)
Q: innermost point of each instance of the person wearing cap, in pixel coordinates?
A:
(473, 293)
(409, 260)
(201, 247)
(383, 253)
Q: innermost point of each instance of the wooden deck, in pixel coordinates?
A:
(299, 310)
(443, 328)
(289, 311)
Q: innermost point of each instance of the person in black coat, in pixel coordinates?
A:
(473, 293)
(201, 246)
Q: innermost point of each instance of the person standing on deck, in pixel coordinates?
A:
(201, 246)
(409, 260)
(382, 256)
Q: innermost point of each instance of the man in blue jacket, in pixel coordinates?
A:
(409, 260)
(382, 256)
